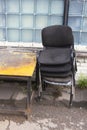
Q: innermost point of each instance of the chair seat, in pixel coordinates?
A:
(55, 56)
(62, 80)
(56, 75)
(56, 68)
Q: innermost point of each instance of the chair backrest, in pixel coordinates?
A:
(57, 36)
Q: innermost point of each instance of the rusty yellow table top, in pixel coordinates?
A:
(17, 63)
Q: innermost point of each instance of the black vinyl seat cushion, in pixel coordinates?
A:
(56, 75)
(55, 56)
(55, 60)
(56, 68)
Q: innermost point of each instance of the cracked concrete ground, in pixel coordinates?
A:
(45, 115)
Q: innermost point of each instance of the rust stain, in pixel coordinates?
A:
(17, 63)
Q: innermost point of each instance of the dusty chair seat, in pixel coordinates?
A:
(55, 56)
(56, 62)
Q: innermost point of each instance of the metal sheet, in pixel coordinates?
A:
(17, 63)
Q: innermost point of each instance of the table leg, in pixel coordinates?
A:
(28, 96)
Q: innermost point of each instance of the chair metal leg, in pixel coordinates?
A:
(71, 98)
(40, 85)
(72, 92)
(44, 85)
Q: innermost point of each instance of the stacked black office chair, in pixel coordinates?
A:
(56, 63)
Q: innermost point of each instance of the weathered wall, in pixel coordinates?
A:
(81, 58)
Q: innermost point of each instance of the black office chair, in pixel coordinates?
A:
(56, 63)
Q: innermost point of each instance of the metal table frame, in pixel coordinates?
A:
(28, 102)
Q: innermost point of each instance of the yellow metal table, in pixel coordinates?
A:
(20, 63)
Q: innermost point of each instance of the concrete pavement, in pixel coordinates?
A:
(45, 115)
